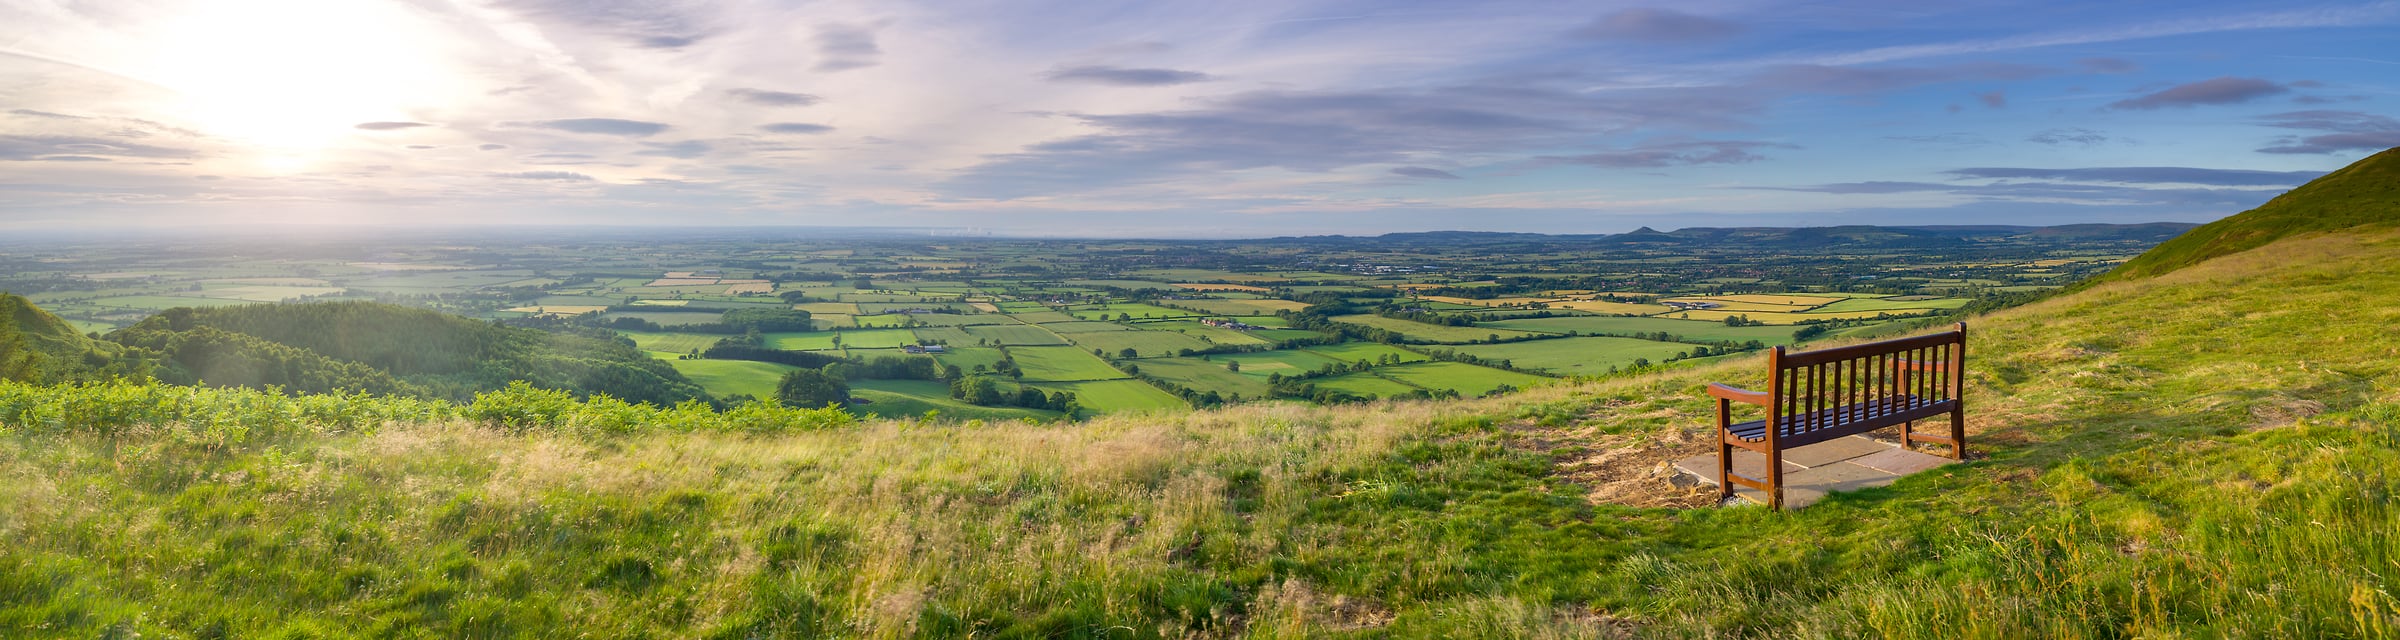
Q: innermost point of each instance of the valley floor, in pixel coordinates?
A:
(2207, 453)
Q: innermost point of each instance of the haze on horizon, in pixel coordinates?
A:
(1242, 119)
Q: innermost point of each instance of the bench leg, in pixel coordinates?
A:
(1908, 429)
(1724, 468)
(1958, 434)
(1775, 479)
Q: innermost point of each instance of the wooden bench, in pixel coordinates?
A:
(1815, 396)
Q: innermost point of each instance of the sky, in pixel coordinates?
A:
(1179, 119)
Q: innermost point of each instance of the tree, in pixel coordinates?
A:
(812, 388)
(1231, 365)
(1128, 352)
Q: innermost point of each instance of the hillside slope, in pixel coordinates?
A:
(2206, 453)
(2364, 194)
(38, 347)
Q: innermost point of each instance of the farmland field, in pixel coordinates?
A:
(1261, 364)
(965, 358)
(1213, 335)
(1084, 327)
(668, 342)
(912, 398)
(1466, 379)
(1791, 318)
(1011, 335)
(1137, 311)
(1146, 343)
(1041, 316)
(729, 377)
(1885, 304)
(1363, 384)
(1611, 308)
(1687, 329)
(1368, 351)
(1576, 356)
(1239, 307)
(1116, 395)
(1432, 332)
(1204, 376)
(1062, 364)
(822, 340)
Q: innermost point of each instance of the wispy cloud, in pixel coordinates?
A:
(2338, 16)
(544, 175)
(602, 126)
(773, 98)
(2225, 90)
(1648, 24)
(1126, 77)
(2339, 131)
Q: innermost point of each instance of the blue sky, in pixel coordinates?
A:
(1211, 119)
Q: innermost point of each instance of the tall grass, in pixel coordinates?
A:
(2208, 454)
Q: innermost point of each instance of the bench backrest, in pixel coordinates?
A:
(1829, 393)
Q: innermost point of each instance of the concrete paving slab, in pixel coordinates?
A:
(1849, 464)
(1832, 451)
(1901, 461)
(1745, 462)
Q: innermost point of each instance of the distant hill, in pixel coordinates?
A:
(2364, 194)
(380, 348)
(38, 347)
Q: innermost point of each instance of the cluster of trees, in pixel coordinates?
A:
(983, 391)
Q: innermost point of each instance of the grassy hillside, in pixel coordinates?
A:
(2364, 194)
(380, 348)
(2206, 453)
(38, 347)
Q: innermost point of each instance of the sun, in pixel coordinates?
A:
(291, 77)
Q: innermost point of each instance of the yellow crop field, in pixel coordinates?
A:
(1772, 317)
(1604, 306)
(1786, 300)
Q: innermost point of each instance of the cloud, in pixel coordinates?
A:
(2147, 175)
(795, 127)
(773, 98)
(2221, 199)
(2225, 90)
(28, 147)
(845, 47)
(388, 126)
(64, 158)
(1657, 25)
(422, 146)
(543, 175)
(603, 126)
(1817, 78)
(46, 114)
(645, 23)
(2109, 65)
(1425, 172)
(1671, 154)
(2067, 135)
(2339, 131)
(490, 146)
(687, 149)
(1126, 77)
(1993, 99)
(1960, 139)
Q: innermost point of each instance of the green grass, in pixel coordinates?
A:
(1146, 343)
(2205, 453)
(1112, 396)
(1062, 364)
(912, 398)
(1212, 335)
(1466, 379)
(1364, 384)
(1879, 304)
(676, 343)
(1576, 356)
(1368, 351)
(967, 357)
(2364, 194)
(1617, 325)
(1137, 311)
(1010, 335)
(1204, 376)
(728, 377)
(1432, 332)
(1287, 362)
(1084, 327)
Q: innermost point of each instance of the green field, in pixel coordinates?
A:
(1082, 326)
(1239, 307)
(857, 339)
(159, 302)
(1286, 362)
(965, 358)
(724, 378)
(1884, 304)
(912, 398)
(1010, 335)
(1619, 325)
(668, 318)
(1117, 395)
(1212, 335)
(1369, 351)
(1145, 343)
(1576, 356)
(1040, 315)
(667, 342)
(1363, 384)
(1137, 311)
(1204, 376)
(1055, 364)
(1466, 379)
(1431, 332)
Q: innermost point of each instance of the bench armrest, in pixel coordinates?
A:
(1737, 394)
